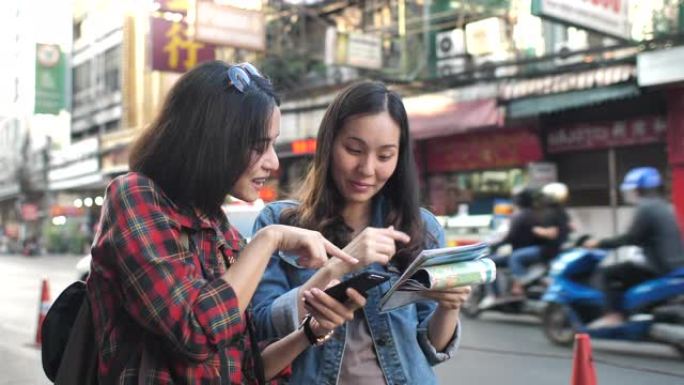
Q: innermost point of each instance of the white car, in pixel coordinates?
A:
(240, 215)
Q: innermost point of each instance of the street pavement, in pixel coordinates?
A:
(495, 350)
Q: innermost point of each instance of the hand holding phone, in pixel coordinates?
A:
(361, 283)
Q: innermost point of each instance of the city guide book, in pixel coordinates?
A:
(440, 269)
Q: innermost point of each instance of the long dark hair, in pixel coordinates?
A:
(201, 141)
(322, 202)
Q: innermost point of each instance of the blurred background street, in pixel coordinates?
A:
(500, 95)
(496, 349)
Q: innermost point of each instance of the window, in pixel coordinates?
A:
(81, 79)
(112, 65)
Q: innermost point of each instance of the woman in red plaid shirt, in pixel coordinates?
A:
(171, 280)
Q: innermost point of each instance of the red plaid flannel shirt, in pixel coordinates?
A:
(148, 290)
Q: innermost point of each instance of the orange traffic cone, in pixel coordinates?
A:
(42, 311)
(583, 363)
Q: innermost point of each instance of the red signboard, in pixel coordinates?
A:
(67, 211)
(678, 194)
(482, 151)
(599, 135)
(675, 131)
(29, 212)
(304, 146)
(172, 50)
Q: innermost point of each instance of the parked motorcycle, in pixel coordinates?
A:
(655, 307)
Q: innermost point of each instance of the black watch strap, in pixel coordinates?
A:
(306, 325)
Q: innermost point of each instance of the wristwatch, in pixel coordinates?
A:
(313, 339)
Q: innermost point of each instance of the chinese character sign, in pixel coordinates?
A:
(179, 6)
(172, 50)
(50, 79)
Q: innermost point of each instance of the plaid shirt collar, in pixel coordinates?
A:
(196, 220)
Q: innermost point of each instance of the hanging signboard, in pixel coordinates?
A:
(608, 17)
(230, 26)
(173, 50)
(50, 79)
(601, 135)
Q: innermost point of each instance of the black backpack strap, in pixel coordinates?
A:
(256, 353)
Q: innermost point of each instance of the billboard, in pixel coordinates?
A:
(608, 17)
(173, 50)
(50, 79)
(230, 26)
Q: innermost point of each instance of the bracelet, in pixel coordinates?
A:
(313, 339)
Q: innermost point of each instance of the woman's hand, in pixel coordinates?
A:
(375, 245)
(311, 246)
(451, 299)
(327, 312)
(445, 318)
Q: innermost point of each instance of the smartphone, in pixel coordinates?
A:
(361, 283)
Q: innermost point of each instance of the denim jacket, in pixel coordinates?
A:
(403, 349)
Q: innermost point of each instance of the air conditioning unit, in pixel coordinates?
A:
(450, 43)
(452, 66)
(488, 65)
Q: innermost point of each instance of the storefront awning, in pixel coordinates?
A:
(534, 106)
(453, 118)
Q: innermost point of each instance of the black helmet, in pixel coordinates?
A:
(524, 197)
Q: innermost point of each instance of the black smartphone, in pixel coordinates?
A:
(361, 283)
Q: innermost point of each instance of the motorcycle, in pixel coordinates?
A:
(655, 307)
(534, 283)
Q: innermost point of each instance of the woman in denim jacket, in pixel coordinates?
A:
(361, 193)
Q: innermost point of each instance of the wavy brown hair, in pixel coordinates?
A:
(321, 201)
(202, 139)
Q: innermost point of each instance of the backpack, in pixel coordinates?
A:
(69, 350)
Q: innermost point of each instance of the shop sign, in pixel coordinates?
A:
(173, 50)
(660, 67)
(541, 173)
(12, 230)
(354, 49)
(177, 6)
(303, 146)
(485, 37)
(675, 132)
(600, 135)
(482, 151)
(29, 212)
(67, 211)
(50, 79)
(230, 26)
(608, 17)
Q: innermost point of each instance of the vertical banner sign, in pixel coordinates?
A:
(50, 79)
(173, 50)
(178, 6)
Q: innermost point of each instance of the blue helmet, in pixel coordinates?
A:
(641, 178)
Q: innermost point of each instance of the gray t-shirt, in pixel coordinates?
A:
(359, 363)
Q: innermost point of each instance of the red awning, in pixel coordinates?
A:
(455, 118)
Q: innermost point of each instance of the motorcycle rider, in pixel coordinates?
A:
(551, 234)
(522, 222)
(653, 228)
(519, 235)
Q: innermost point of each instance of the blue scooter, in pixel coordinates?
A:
(655, 307)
